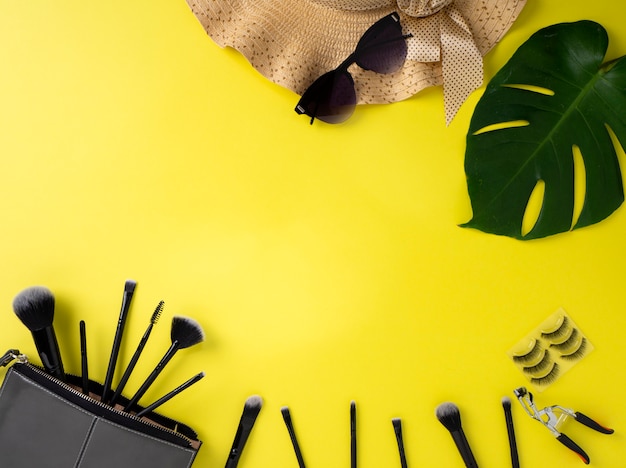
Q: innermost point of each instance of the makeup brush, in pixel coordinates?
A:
(292, 434)
(83, 357)
(450, 416)
(171, 394)
(185, 332)
(353, 434)
(508, 417)
(251, 410)
(129, 289)
(133, 361)
(34, 306)
(397, 428)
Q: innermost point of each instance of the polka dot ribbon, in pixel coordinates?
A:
(446, 37)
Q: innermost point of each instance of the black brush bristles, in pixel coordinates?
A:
(34, 306)
(449, 415)
(186, 331)
(251, 410)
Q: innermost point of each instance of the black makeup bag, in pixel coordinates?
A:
(46, 423)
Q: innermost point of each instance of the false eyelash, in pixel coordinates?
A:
(530, 356)
(542, 365)
(568, 343)
(559, 332)
(549, 378)
(578, 352)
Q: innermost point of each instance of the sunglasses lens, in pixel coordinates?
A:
(382, 48)
(331, 98)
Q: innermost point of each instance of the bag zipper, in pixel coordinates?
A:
(24, 367)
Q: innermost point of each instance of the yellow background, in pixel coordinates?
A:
(325, 263)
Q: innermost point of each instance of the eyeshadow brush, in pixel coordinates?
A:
(171, 394)
(133, 361)
(185, 332)
(129, 289)
(83, 358)
(251, 410)
(397, 428)
(292, 434)
(510, 429)
(449, 415)
(34, 306)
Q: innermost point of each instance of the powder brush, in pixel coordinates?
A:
(449, 415)
(34, 306)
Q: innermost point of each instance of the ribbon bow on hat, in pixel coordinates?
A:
(292, 42)
(441, 34)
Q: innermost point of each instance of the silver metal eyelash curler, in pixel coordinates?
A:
(553, 416)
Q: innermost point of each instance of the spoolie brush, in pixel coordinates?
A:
(292, 434)
(510, 429)
(449, 415)
(251, 410)
(185, 332)
(133, 361)
(34, 306)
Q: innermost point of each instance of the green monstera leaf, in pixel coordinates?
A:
(549, 118)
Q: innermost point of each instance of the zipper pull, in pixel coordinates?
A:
(10, 356)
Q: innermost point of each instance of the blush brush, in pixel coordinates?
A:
(185, 332)
(34, 306)
(449, 415)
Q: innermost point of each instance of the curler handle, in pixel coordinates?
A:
(587, 421)
(570, 444)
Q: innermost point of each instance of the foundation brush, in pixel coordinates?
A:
(185, 332)
(133, 361)
(449, 415)
(251, 410)
(34, 306)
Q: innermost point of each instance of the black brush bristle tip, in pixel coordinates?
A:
(449, 415)
(34, 306)
(254, 403)
(130, 285)
(157, 313)
(186, 331)
(506, 403)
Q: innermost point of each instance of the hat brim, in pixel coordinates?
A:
(292, 43)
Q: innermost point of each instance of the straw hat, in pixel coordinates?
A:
(292, 42)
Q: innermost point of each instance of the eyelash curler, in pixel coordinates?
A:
(553, 416)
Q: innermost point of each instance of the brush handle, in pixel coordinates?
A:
(353, 434)
(83, 358)
(464, 448)
(117, 342)
(153, 375)
(171, 394)
(131, 365)
(48, 350)
(241, 437)
(510, 429)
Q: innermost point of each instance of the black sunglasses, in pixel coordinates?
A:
(332, 97)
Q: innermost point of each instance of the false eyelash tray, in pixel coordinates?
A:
(550, 350)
